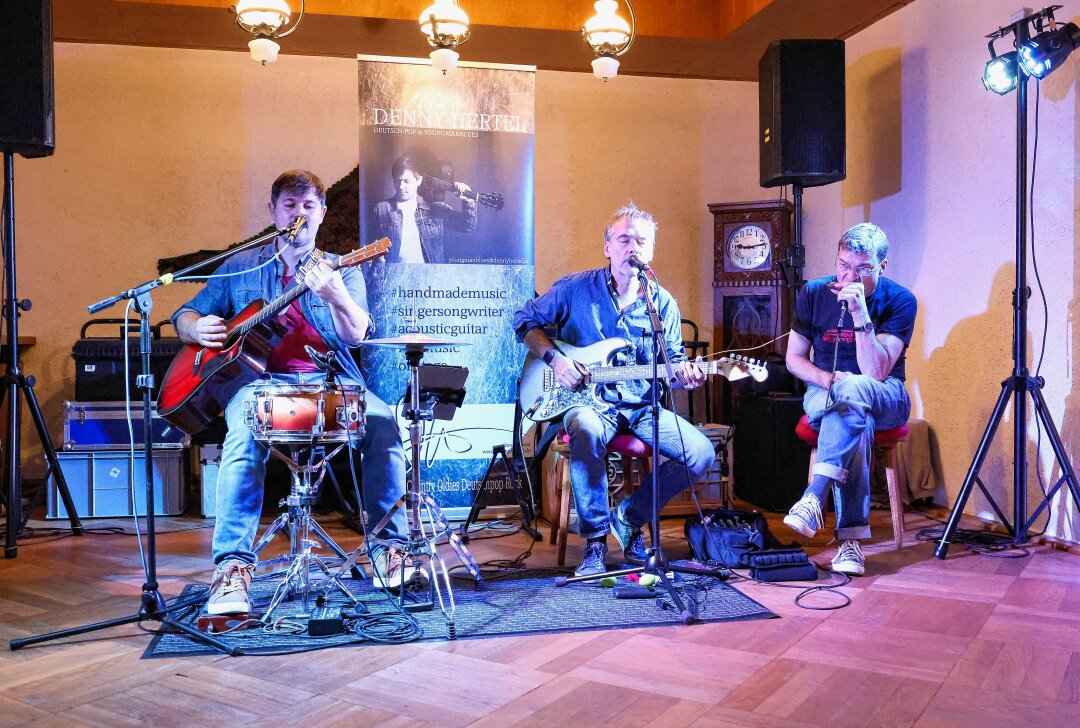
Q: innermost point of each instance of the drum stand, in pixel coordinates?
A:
(303, 531)
(427, 524)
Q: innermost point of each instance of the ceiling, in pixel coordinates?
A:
(716, 39)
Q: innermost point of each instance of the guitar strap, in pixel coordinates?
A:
(312, 261)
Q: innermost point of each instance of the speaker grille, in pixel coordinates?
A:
(26, 78)
(802, 113)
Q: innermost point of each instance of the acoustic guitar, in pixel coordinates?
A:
(201, 381)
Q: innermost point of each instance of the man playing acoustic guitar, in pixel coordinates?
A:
(586, 308)
(330, 316)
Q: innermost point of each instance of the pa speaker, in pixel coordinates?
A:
(26, 78)
(801, 110)
(771, 462)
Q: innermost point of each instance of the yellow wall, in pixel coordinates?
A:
(931, 158)
(163, 151)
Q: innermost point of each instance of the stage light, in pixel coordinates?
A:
(264, 19)
(1049, 49)
(999, 75)
(446, 26)
(609, 36)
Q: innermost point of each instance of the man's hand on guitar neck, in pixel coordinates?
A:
(569, 373)
(690, 374)
(209, 331)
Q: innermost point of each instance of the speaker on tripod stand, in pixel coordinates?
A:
(26, 128)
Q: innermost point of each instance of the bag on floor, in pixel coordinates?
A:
(728, 536)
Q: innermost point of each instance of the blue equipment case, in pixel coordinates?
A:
(103, 426)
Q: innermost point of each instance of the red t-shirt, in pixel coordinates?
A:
(289, 355)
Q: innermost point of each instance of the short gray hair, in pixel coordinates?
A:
(631, 212)
(866, 237)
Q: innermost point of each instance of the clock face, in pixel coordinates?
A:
(748, 247)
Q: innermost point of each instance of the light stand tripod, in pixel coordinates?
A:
(656, 563)
(1020, 384)
(18, 384)
(152, 605)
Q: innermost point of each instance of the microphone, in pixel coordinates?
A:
(637, 264)
(294, 229)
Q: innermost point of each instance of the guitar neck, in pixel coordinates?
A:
(603, 375)
(278, 304)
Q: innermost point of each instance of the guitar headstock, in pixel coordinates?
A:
(366, 253)
(490, 199)
(736, 366)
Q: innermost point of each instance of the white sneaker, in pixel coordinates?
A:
(849, 559)
(805, 515)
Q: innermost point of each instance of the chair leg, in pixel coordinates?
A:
(560, 528)
(896, 505)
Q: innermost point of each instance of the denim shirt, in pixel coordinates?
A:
(583, 310)
(226, 297)
(431, 221)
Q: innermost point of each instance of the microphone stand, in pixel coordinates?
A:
(152, 605)
(656, 563)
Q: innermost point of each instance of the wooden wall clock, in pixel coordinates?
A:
(751, 301)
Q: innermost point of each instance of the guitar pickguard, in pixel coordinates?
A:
(558, 399)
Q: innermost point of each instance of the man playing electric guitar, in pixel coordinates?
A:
(586, 308)
(330, 316)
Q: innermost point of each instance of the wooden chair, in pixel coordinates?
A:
(885, 441)
(631, 449)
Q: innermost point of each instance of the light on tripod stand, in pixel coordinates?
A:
(1049, 49)
(999, 75)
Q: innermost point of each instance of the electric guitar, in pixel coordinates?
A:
(543, 398)
(201, 381)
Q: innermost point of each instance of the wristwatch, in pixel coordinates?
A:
(868, 328)
(548, 356)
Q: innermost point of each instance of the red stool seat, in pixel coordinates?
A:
(628, 446)
(887, 441)
(882, 438)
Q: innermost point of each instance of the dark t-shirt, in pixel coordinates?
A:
(817, 312)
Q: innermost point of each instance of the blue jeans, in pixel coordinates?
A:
(860, 405)
(590, 431)
(243, 466)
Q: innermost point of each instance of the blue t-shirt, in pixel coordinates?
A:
(817, 312)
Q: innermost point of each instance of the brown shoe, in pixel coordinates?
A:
(229, 589)
(392, 566)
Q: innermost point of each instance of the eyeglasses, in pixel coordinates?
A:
(863, 271)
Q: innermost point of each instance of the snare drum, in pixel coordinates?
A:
(305, 413)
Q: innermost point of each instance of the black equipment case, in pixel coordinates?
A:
(99, 360)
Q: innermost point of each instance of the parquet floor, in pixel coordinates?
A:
(972, 641)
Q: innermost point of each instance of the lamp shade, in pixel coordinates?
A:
(605, 67)
(445, 24)
(263, 50)
(262, 16)
(606, 32)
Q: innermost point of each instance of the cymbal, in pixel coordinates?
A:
(413, 341)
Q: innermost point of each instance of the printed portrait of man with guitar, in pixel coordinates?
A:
(238, 342)
(599, 314)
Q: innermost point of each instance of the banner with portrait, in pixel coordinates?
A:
(446, 173)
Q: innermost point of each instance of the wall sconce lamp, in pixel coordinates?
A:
(609, 36)
(264, 19)
(446, 26)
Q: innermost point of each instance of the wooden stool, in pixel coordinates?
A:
(884, 440)
(630, 449)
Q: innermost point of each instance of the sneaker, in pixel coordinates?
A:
(634, 552)
(805, 516)
(229, 589)
(392, 567)
(624, 533)
(593, 560)
(849, 559)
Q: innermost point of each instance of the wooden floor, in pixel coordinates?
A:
(972, 641)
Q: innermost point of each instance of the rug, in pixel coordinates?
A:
(525, 603)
